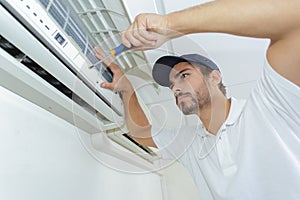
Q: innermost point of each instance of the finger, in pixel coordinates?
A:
(108, 62)
(130, 36)
(145, 32)
(139, 35)
(107, 85)
(124, 39)
(99, 51)
(113, 67)
(100, 54)
(147, 35)
(136, 39)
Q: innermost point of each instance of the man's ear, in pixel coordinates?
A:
(215, 77)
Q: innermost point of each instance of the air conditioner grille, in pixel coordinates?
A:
(40, 71)
(71, 25)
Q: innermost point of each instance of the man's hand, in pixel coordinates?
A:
(119, 83)
(148, 31)
(136, 120)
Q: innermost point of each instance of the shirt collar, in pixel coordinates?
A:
(235, 111)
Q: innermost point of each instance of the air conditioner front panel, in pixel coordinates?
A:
(46, 56)
(57, 54)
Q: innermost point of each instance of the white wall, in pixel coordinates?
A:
(239, 58)
(179, 183)
(42, 157)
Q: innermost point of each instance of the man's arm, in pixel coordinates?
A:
(275, 19)
(135, 118)
(136, 121)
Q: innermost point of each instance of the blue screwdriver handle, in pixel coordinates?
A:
(113, 53)
(119, 49)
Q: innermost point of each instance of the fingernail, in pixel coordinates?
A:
(127, 44)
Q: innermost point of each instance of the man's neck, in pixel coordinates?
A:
(214, 115)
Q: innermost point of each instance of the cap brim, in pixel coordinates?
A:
(162, 67)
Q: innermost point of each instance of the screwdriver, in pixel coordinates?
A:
(112, 53)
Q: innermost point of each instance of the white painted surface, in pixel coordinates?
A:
(42, 157)
(180, 184)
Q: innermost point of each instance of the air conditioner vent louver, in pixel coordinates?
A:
(141, 146)
(40, 71)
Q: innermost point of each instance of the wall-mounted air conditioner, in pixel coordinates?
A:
(49, 65)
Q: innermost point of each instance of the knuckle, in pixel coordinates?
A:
(139, 16)
(135, 33)
(137, 43)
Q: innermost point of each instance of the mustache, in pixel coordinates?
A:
(182, 94)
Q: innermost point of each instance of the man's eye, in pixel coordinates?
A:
(184, 75)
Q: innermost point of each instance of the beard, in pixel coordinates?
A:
(195, 104)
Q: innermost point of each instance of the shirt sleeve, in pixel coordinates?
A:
(280, 98)
(173, 142)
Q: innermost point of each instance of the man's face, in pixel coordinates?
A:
(190, 88)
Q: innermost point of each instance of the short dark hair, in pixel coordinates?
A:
(205, 71)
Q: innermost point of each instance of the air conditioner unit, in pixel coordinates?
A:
(40, 61)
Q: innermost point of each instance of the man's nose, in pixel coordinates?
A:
(176, 89)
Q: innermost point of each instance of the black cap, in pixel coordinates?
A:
(163, 66)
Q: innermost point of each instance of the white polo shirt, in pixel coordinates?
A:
(255, 154)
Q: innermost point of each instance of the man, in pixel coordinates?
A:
(242, 150)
